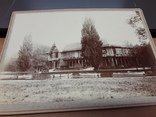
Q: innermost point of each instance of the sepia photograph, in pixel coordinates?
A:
(66, 57)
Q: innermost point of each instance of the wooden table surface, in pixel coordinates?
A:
(146, 111)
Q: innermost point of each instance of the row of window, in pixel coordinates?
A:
(106, 52)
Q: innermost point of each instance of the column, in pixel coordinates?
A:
(78, 63)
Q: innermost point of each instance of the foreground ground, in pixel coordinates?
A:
(58, 90)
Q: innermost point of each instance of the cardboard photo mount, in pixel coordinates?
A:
(52, 41)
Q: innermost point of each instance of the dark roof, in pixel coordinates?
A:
(53, 48)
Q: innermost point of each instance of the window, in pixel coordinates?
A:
(56, 54)
(50, 55)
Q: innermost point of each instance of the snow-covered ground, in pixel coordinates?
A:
(59, 90)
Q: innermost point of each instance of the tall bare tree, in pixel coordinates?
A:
(91, 44)
(12, 65)
(24, 54)
(143, 51)
(136, 22)
(39, 55)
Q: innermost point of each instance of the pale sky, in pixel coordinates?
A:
(64, 27)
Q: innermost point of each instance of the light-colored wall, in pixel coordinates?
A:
(119, 52)
(76, 54)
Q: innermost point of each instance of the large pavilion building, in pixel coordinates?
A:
(71, 57)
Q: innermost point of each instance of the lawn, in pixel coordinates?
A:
(59, 90)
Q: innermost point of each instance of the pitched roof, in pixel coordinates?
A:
(77, 46)
(53, 48)
(73, 46)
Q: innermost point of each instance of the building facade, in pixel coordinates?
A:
(71, 57)
(54, 57)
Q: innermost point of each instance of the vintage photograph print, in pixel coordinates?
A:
(60, 60)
